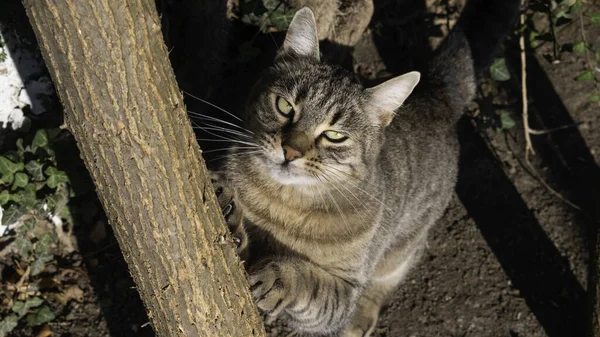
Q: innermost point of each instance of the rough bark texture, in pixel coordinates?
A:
(111, 69)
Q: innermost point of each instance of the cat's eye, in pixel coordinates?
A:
(334, 136)
(284, 107)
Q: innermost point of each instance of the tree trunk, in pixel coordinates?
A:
(112, 72)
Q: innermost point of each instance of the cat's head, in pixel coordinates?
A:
(315, 122)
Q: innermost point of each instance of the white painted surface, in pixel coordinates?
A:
(21, 81)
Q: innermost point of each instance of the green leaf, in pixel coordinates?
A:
(34, 302)
(598, 54)
(281, 20)
(42, 315)
(8, 167)
(595, 98)
(6, 196)
(8, 178)
(587, 75)
(21, 180)
(499, 71)
(40, 140)
(20, 145)
(8, 324)
(37, 266)
(46, 239)
(595, 20)
(579, 47)
(13, 214)
(55, 177)
(19, 308)
(28, 196)
(24, 247)
(36, 170)
(506, 120)
(25, 227)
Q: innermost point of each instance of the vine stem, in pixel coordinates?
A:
(528, 147)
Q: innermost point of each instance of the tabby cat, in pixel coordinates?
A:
(335, 200)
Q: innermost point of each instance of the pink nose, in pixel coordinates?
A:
(290, 153)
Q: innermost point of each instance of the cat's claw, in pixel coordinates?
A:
(272, 288)
(231, 212)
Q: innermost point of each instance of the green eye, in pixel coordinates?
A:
(334, 136)
(284, 107)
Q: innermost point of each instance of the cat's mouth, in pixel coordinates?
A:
(287, 173)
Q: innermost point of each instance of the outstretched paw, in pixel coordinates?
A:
(273, 288)
(231, 212)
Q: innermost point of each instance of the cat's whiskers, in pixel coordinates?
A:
(231, 136)
(332, 183)
(370, 213)
(221, 129)
(213, 105)
(238, 154)
(229, 149)
(214, 119)
(224, 139)
(348, 228)
(355, 185)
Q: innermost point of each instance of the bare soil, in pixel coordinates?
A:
(509, 257)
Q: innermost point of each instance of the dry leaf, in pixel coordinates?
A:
(71, 293)
(45, 331)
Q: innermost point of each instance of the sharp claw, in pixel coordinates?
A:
(238, 242)
(227, 210)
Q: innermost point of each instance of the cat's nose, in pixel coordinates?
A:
(290, 153)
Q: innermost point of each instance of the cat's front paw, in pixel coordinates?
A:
(231, 212)
(273, 287)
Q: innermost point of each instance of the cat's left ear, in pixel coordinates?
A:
(302, 38)
(387, 97)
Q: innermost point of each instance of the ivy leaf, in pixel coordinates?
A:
(585, 76)
(35, 169)
(24, 247)
(28, 196)
(19, 308)
(595, 19)
(8, 324)
(8, 168)
(579, 47)
(21, 180)
(499, 71)
(8, 178)
(6, 196)
(595, 98)
(55, 177)
(34, 302)
(20, 146)
(13, 214)
(40, 140)
(25, 227)
(42, 315)
(506, 120)
(37, 266)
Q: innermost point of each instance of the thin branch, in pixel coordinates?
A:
(528, 147)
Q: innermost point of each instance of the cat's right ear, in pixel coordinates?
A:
(302, 38)
(387, 97)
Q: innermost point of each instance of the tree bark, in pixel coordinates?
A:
(112, 72)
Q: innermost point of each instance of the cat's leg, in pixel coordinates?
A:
(304, 296)
(231, 212)
(389, 273)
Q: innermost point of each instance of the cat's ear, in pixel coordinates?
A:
(387, 97)
(302, 38)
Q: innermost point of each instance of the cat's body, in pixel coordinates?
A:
(338, 199)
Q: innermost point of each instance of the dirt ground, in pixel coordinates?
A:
(510, 256)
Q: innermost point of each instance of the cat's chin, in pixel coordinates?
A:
(285, 176)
